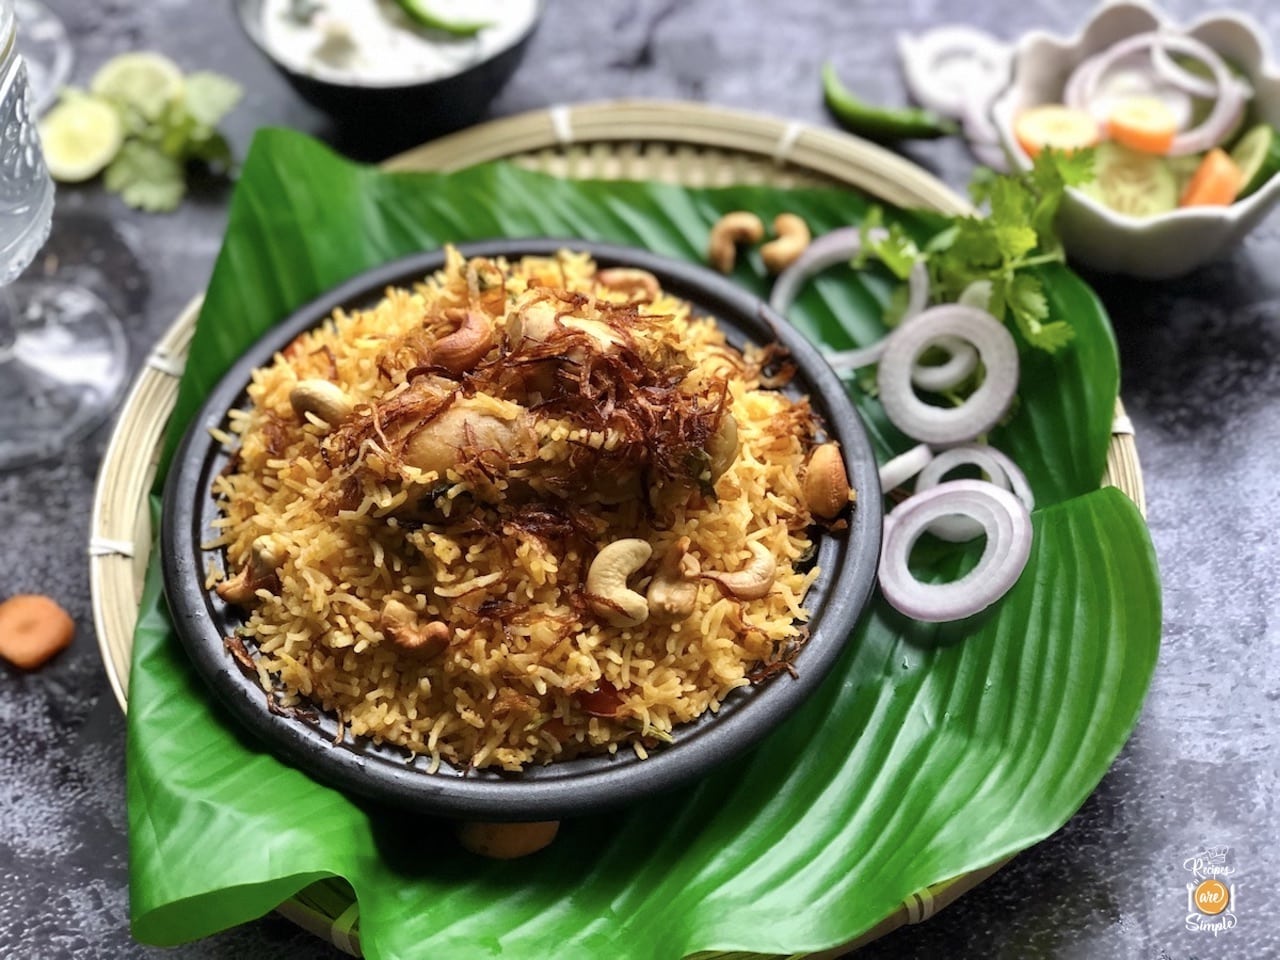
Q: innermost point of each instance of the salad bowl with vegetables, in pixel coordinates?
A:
(1183, 122)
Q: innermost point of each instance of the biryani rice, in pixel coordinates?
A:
(526, 657)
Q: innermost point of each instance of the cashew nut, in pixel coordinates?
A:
(461, 350)
(826, 484)
(751, 582)
(259, 573)
(325, 400)
(400, 625)
(611, 598)
(506, 841)
(537, 322)
(729, 231)
(636, 284)
(722, 448)
(793, 239)
(436, 447)
(672, 593)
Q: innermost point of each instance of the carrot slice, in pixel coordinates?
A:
(1215, 183)
(1056, 126)
(1143, 123)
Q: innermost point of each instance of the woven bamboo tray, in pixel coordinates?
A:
(681, 143)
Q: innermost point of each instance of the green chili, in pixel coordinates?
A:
(420, 12)
(881, 123)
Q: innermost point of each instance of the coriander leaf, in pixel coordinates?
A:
(210, 97)
(146, 177)
(1052, 172)
(1054, 336)
(874, 220)
(895, 250)
(980, 185)
(942, 240)
(975, 244)
(1015, 240)
(1054, 169)
(1030, 308)
(896, 306)
(1011, 201)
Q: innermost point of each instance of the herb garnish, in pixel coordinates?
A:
(999, 248)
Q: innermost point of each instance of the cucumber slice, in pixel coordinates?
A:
(1258, 157)
(1133, 183)
(1184, 168)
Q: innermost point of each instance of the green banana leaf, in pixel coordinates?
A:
(930, 751)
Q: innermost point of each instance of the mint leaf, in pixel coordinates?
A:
(146, 177)
(210, 97)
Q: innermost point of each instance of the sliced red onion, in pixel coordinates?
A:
(1130, 76)
(961, 361)
(1000, 470)
(1178, 76)
(944, 66)
(1228, 103)
(843, 360)
(1007, 524)
(917, 291)
(1082, 78)
(838, 246)
(1190, 83)
(981, 411)
(904, 466)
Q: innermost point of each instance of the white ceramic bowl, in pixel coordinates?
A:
(1169, 244)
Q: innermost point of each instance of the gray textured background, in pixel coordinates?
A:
(1200, 380)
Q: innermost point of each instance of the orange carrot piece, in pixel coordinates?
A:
(1143, 123)
(1215, 183)
(1052, 125)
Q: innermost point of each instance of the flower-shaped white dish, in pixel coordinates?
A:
(1168, 244)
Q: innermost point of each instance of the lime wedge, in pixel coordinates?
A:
(145, 81)
(80, 136)
(1258, 157)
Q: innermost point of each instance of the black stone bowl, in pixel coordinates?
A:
(565, 788)
(396, 115)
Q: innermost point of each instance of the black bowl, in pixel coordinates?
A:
(397, 115)
(571, 787)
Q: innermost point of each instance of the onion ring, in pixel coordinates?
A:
(958, 367)
(832, 248)
(925, 55)
(1000, 470)
(1178, 76)
(1190, 83)
(1007, 525)
(981, 411)
(838, 246)
(1227, 107)
(904, 466)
